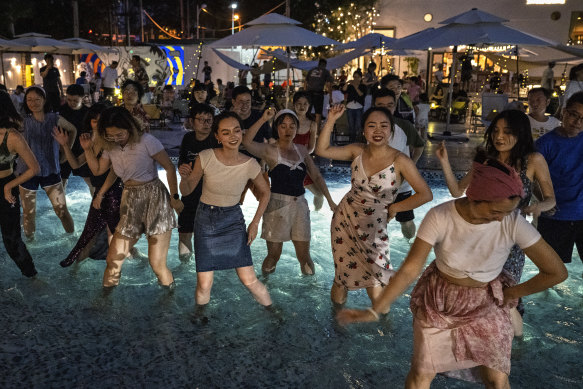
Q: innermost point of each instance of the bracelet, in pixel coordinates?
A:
(375, 314)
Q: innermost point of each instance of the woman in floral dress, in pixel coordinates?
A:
(360, 242)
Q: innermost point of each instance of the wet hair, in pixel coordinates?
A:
(574, 70)
(75, 90)
(383, 92)
(544, 91)
(388, 78)
(39, 91)
(239, 90)
(199, 108)
(577, 98)
(519, 124)
(136, 85)
(383, 110)
(225, 115)
(93, 113)
(121, 118)
(9, 116)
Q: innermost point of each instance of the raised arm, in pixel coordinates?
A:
(62, 138)
(313, 137)
(190, 176)
(323, 147)
(551, 271)
(162, 158)
(263, 194)
(319, 180)
(70, 128)
(543, 178)
(423, 193)
(456, 188)
(260, 150)
(407, 273)
(17, 145)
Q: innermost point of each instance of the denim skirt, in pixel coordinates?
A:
(220, 238)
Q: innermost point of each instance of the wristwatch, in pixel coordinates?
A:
(176, 196)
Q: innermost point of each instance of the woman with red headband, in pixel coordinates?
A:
(461, 303)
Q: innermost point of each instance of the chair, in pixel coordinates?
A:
(153, 111)
(459, 109)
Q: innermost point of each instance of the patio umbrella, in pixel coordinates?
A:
(372, 41)
(8, 45)
(42, 43)
(473, 27)
(274, 30)
(85, 46)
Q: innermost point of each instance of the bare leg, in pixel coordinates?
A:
(28, 200)
(56, 194)
(258, 290)
(273, 255)
(494, 379)
(417, 380)
(185, 246)
(158, 246)
(408, 229)
(303, 255)
(64, 183)
(204, 283)
(338, 294)
(374, 292)
(118, 250)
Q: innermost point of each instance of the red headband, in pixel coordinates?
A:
(491, 184)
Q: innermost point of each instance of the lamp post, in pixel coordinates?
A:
(233, 8)
(198, 9)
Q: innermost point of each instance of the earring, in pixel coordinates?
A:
(220, 142)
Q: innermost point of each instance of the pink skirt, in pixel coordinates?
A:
(458, 328)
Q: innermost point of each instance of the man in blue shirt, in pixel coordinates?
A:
(563, 151)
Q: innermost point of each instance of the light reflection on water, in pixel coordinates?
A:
(60, 331)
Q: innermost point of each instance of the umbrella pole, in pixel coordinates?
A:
(2, 61)
(517, 78)
(287, 78)
(451, 81)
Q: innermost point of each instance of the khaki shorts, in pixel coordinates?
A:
(286, 218)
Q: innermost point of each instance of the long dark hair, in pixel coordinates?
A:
(9, 116)
(519, 124)
(93, 113)
(305, 95)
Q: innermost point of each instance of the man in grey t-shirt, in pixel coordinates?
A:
(317, 82)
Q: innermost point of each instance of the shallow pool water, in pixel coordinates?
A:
(61, 331)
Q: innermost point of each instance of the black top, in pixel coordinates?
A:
(404, 111)
(6, 159)
(288, 181)
(50, 82)
(263, 133)
(353, 95)
(189, 150)
(75, 117)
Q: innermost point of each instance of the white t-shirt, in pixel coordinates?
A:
(108, 77)
(540, 128)
(478, 251)
(134, 161)
(399, 141)
(222, 184)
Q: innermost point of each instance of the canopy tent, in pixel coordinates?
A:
(274, 30)
(473, 27)
(84, 46)
(42, 43)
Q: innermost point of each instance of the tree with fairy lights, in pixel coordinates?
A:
(343, 21)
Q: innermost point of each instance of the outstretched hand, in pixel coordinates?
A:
(86, 141)
(335, 112)
(441, 152)
(60, 135)
(268, 114)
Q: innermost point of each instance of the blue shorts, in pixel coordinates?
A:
(43, 182)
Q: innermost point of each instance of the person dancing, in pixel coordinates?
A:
(221, 241)
(287, 216)
(146, 206)
(360, 242)
(11, 145)
(461, 303)
(509, 140)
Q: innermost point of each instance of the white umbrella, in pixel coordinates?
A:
(43, 43)
(85, 46)
(473, 27)
(274, 30)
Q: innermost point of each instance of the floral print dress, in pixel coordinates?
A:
(360, 243)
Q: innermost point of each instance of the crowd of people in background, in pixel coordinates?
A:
(466, 305)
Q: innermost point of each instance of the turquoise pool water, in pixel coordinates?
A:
(60, 331)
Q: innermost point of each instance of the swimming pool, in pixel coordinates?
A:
(60, 331)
